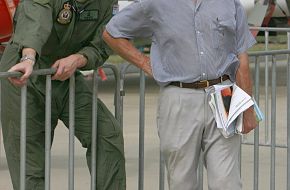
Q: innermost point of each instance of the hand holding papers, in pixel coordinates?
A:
(228, 102)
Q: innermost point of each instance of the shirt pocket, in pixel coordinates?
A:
(223, 32)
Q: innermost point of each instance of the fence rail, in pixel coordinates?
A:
(268, 128)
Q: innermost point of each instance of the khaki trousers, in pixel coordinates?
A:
(186, 128)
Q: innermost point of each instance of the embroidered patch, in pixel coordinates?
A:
(65, 15)
(88, 15)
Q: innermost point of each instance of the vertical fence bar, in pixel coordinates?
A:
(256, 132)
(23, 137)
(122, 91)
(94, 133)
(288, 114)
(117, 94)
(273, 124)
(71, 131)
(267, 126)
(141, 130)
(47, 132)
(122, 94)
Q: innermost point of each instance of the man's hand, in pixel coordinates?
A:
(146, 66)
(66, 67)
(25, 67)
(249, 121)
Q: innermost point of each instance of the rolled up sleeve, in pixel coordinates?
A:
(244, 39)
(131, 22)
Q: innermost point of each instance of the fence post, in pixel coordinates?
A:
(71, 131)
(23, 137)
(47, 132)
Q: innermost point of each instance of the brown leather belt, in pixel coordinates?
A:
(200, 84)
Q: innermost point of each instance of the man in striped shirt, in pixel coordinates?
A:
(194, 45)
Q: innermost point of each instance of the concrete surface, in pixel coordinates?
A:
(59, 176)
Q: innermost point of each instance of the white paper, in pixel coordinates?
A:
(229, 122)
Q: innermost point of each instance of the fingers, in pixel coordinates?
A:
(17, 81)
(249, 127)
(64, 69)
(249, 122)
(59, 70)
(25, 68)
(61, 73)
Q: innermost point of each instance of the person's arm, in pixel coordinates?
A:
(244, 81)
(131, 23)
(126, 50)
(89, 57)
(32, 28)
(97, 51)
(65, 67)
(25, 66)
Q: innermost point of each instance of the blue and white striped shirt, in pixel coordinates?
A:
(189, 42)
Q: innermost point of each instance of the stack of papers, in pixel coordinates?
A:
(228, 102)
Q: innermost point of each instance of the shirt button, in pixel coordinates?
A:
(198, 32)
(201, 53)
(203, 74)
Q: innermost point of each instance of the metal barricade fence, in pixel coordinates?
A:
(270, 128)
(48, 73)
(246, 140)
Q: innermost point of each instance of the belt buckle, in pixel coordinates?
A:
(207, 82)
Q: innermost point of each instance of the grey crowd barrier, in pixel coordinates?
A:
(71, 155)
(266, 66)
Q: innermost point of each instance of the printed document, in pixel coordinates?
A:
(228, 102)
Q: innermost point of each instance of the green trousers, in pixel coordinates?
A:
(110, 146)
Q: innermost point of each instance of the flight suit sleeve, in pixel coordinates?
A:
(97, 51)
(33, 24)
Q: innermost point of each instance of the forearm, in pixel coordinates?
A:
(28, 52)
(244, 81)
(126, 50)
(243, 75)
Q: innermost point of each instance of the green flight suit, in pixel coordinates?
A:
(39, 24)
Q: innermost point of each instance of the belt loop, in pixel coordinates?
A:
(221, 79)
(207, 83)
(180, 85)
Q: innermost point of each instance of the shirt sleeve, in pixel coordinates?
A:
(97, 51)
(131, 22)
(244, 37)
(33, 24)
